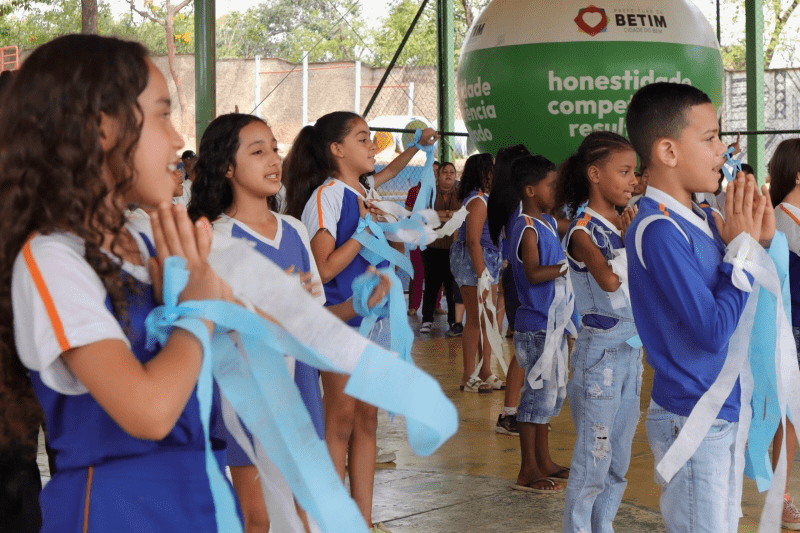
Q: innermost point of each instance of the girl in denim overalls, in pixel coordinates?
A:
(606, 369)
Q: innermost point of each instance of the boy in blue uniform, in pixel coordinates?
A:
(687, 296)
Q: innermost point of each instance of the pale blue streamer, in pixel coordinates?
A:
(375, 247)
(731, 166)
(265, 397)
(159, 323)
(635, 342)
(427, 191)
(402, 337)
(766, 410)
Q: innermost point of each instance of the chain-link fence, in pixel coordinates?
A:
(781, 110)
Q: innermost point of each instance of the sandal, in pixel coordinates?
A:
(495, 382)
(529, 487)
(476, 385)
(560, 475)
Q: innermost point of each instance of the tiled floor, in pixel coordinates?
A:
(465, 485)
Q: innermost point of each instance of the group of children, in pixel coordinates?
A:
(82, 143)
(655, 271)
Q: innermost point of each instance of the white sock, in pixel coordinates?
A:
(509, 411)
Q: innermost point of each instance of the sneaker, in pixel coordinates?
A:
(425, 327)
(385, 456)
(507, 425)
(379, 528)
(791, 516)
(455, 330)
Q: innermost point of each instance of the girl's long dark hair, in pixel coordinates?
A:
(783, 169)
(477, 175)
(310, 162)
(572, 186)
(51, 160)
(211, 189)
(504, 198)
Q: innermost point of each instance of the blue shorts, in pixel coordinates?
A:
(536, 406)
(461, 264)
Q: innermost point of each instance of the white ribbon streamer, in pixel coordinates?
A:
(619, 265)
(488, 315)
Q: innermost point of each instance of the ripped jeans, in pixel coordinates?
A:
(604, 399)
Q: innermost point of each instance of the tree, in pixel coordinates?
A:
(165, 16)
(421, 46)
(286, 28)
(89, 16)
(777, 16)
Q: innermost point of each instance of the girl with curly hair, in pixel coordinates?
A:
(471, 254)
(606, 371)
(90, 132)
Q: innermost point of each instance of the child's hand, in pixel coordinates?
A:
(377, 214)
(744, 211)
(627, 217)
(768, 222)
(428, 137)
(174, 234)
(381, 289)
(736, 147)
(308, 283)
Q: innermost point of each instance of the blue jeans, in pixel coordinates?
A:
(701, 497)
(536, 406)
(604, 399)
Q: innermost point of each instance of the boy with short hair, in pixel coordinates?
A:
(686, 297)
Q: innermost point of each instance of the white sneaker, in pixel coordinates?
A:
(791, 516)
(425, 327)
(385, 456)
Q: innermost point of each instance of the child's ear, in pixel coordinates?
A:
(229, 173)
(336, 150)
(108, 131)
(666, 151)
(593, 173)
(530, 191)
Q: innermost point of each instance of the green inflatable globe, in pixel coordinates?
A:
(547, 73)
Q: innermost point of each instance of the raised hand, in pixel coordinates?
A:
(744, 211)
(627, 217)
(428, 137)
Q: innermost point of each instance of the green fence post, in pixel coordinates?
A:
(205, 78)
(754, 27)
(447, 76)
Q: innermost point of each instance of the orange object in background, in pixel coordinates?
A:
(9, 58)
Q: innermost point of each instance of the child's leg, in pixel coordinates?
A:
(791, 446)
(700, 495)
(415, 284)
(363, 450)
(624, 416)
(485, 348)
(514, 381)
(471, 336)
(251, 499)
(339, 418)
(530, 475)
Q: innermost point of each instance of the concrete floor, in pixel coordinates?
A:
(465, 485)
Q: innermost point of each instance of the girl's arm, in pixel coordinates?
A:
(146, 400)
(476, 218)
(331, 260)
(429, 136)
(583, 250)
(529, 254)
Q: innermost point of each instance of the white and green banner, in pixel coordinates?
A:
(549, 73)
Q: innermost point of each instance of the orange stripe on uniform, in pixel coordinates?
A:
(790, 214)
(663, 209)
(584, 220)
(319, 203)
(47, 300)
(87, 500)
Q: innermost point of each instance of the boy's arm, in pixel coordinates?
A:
(529, 255)
(709, 316)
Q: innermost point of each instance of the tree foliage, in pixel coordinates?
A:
(779, 15)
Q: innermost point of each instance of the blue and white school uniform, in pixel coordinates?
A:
(686, 308)
(604, 388)
(106, 480)
(538, 404)
(290, 247)
(333, 207)
(460, 261)
(787, 220)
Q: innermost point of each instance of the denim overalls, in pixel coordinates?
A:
(603, 391)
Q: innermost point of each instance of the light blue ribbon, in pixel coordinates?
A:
(159, 323)
(266, 399)
(766, 410)
(375, 247)
(731, 166)
(393, 307)
(427, 191)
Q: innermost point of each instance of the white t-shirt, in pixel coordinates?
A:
(59, 303)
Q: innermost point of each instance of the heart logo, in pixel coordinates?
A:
(592, 20)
